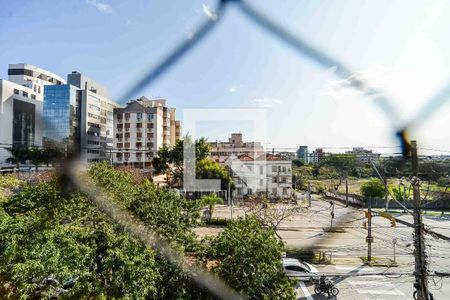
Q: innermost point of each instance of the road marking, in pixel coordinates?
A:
(378, 292)
(305, 290)
(350, 268)
(370, 283)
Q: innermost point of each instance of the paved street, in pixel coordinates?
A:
(345, 249)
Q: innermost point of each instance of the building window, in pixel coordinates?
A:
(150, 116)
(139, 116)
(16, 91)
(138, 145)
(261, 182)
(39, 89)
(33, 96)
(261, 169)
(25, 94)
(274, 168)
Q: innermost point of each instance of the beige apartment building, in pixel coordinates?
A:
(221, 151)
(266, 174)
(141, 128)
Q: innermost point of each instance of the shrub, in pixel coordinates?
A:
(372, 188)
(249, 259)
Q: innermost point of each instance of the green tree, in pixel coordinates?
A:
(298, 163)
(44, 231)
(36, 156)
(211, 200)
(249, 260)
(19, 154)
(166, 213)
(171, 161)
(372, 188)
(209, 169)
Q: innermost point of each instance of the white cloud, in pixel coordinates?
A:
(209, 13)
(102, 7)
(373, 78)
(266, 102)
(233, 89)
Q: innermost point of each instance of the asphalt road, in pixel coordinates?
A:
(345, 249)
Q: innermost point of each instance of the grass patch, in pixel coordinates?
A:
(378, 262)
(307, 255)
(334, 230)
(218, 221)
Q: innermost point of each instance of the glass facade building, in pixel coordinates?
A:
(23, 123)
(61, 118)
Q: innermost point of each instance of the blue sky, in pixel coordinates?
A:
(402, 47)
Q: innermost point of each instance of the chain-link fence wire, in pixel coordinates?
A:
(75, 169)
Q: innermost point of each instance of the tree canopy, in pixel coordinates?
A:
(372, 188)
(249, 260)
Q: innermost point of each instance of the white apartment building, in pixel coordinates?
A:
(364, 155)
(33, 77)
(95, 118)
(267, 174)
(221, 151)
(21, 106)
(141, 128)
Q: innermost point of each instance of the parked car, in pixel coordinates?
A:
(300, 270)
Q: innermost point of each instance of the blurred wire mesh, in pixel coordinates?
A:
(304, 48)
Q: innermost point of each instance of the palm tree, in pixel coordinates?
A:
(19, 154)
(37, 156)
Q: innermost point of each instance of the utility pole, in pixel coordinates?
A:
(332, 215)
(386, 191)
(394, 242)
(421, 272)
(309, 194)
(346, 192)
(230, 200)
(369, 231)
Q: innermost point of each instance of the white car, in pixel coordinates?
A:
(300, 270)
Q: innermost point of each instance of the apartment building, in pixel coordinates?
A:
(364, 155)
(317, 156)
(21, 106)
(221, 151)
(78, 118)
(141, 128)
(302, 154)
(266, 174)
